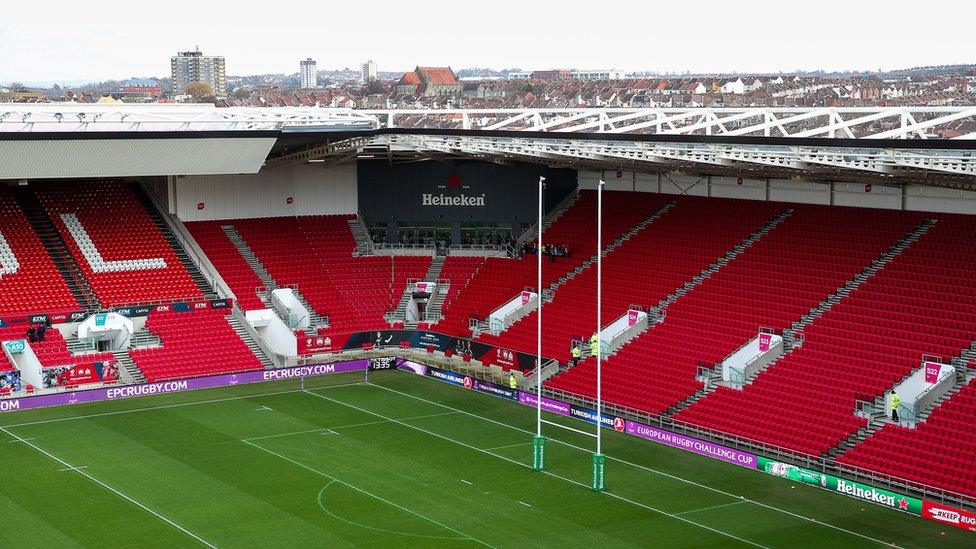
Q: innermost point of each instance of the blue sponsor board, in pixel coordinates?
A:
(100, 319)
(589, 416)
(449, 377)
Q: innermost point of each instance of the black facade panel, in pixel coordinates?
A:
(460, 191)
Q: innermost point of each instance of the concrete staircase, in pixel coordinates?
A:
(78, 346)
(612, 246)
(51, 239)
(249, 257)
(400, 313)
(432, 313)
(547, 220)
(876, 420)
(201, 281)
(790, 334)
(707, 272)
(132, 372)
(364, 242)
(791, 340)
(270, 284)
(144, 338)
(249, 341)
(878, 415)
(436, 266)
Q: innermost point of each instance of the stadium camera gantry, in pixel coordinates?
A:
(891, 145)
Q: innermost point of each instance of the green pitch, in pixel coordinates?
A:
(402, 461)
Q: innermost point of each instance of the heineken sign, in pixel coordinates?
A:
(429, 199)
(849, 488)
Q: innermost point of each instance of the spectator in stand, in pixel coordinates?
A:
(32, 334)
(41, 331)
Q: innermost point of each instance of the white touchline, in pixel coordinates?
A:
(709, 508)
(517, 444)
(110, 489)
(520, 464)
(648, 469)
(331, 431)
(360, 490)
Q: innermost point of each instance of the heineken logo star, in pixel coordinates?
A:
(903, 504)
(454, 181)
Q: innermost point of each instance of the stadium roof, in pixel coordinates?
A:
(889, 144)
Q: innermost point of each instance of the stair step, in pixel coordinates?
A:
(63, 259)
(157, 218)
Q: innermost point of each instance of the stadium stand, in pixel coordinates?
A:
(53, 351)
(29, 280)
(193, 344)
(919, 303)
(315, 254)
(459, 270)
(939, 452)
(500, 279)
(643, 271)
(115, 243)
(772, 284)
(229, 263)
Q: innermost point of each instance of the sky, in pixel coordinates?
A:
(75, 41)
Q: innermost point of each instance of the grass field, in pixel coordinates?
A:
(401, 461)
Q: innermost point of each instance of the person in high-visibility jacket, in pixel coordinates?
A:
(895, 403)
(512, 382)
(577, 353)
(594, 345)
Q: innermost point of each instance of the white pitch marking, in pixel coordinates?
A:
(79, 468)
(520, 464)
(509, 446)
(709, 508)
(467, 482)
(525, 504)
(264, 409)
(110, 489)
(330, 430)
(370, 494)
(177, 405)
(645, 468)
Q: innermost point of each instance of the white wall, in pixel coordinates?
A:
(916, 197)
(935, 199)
(312, 188)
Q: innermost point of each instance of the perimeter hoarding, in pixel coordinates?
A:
(163, 387)
(864, 492)
(947, 514)
(633, 428)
